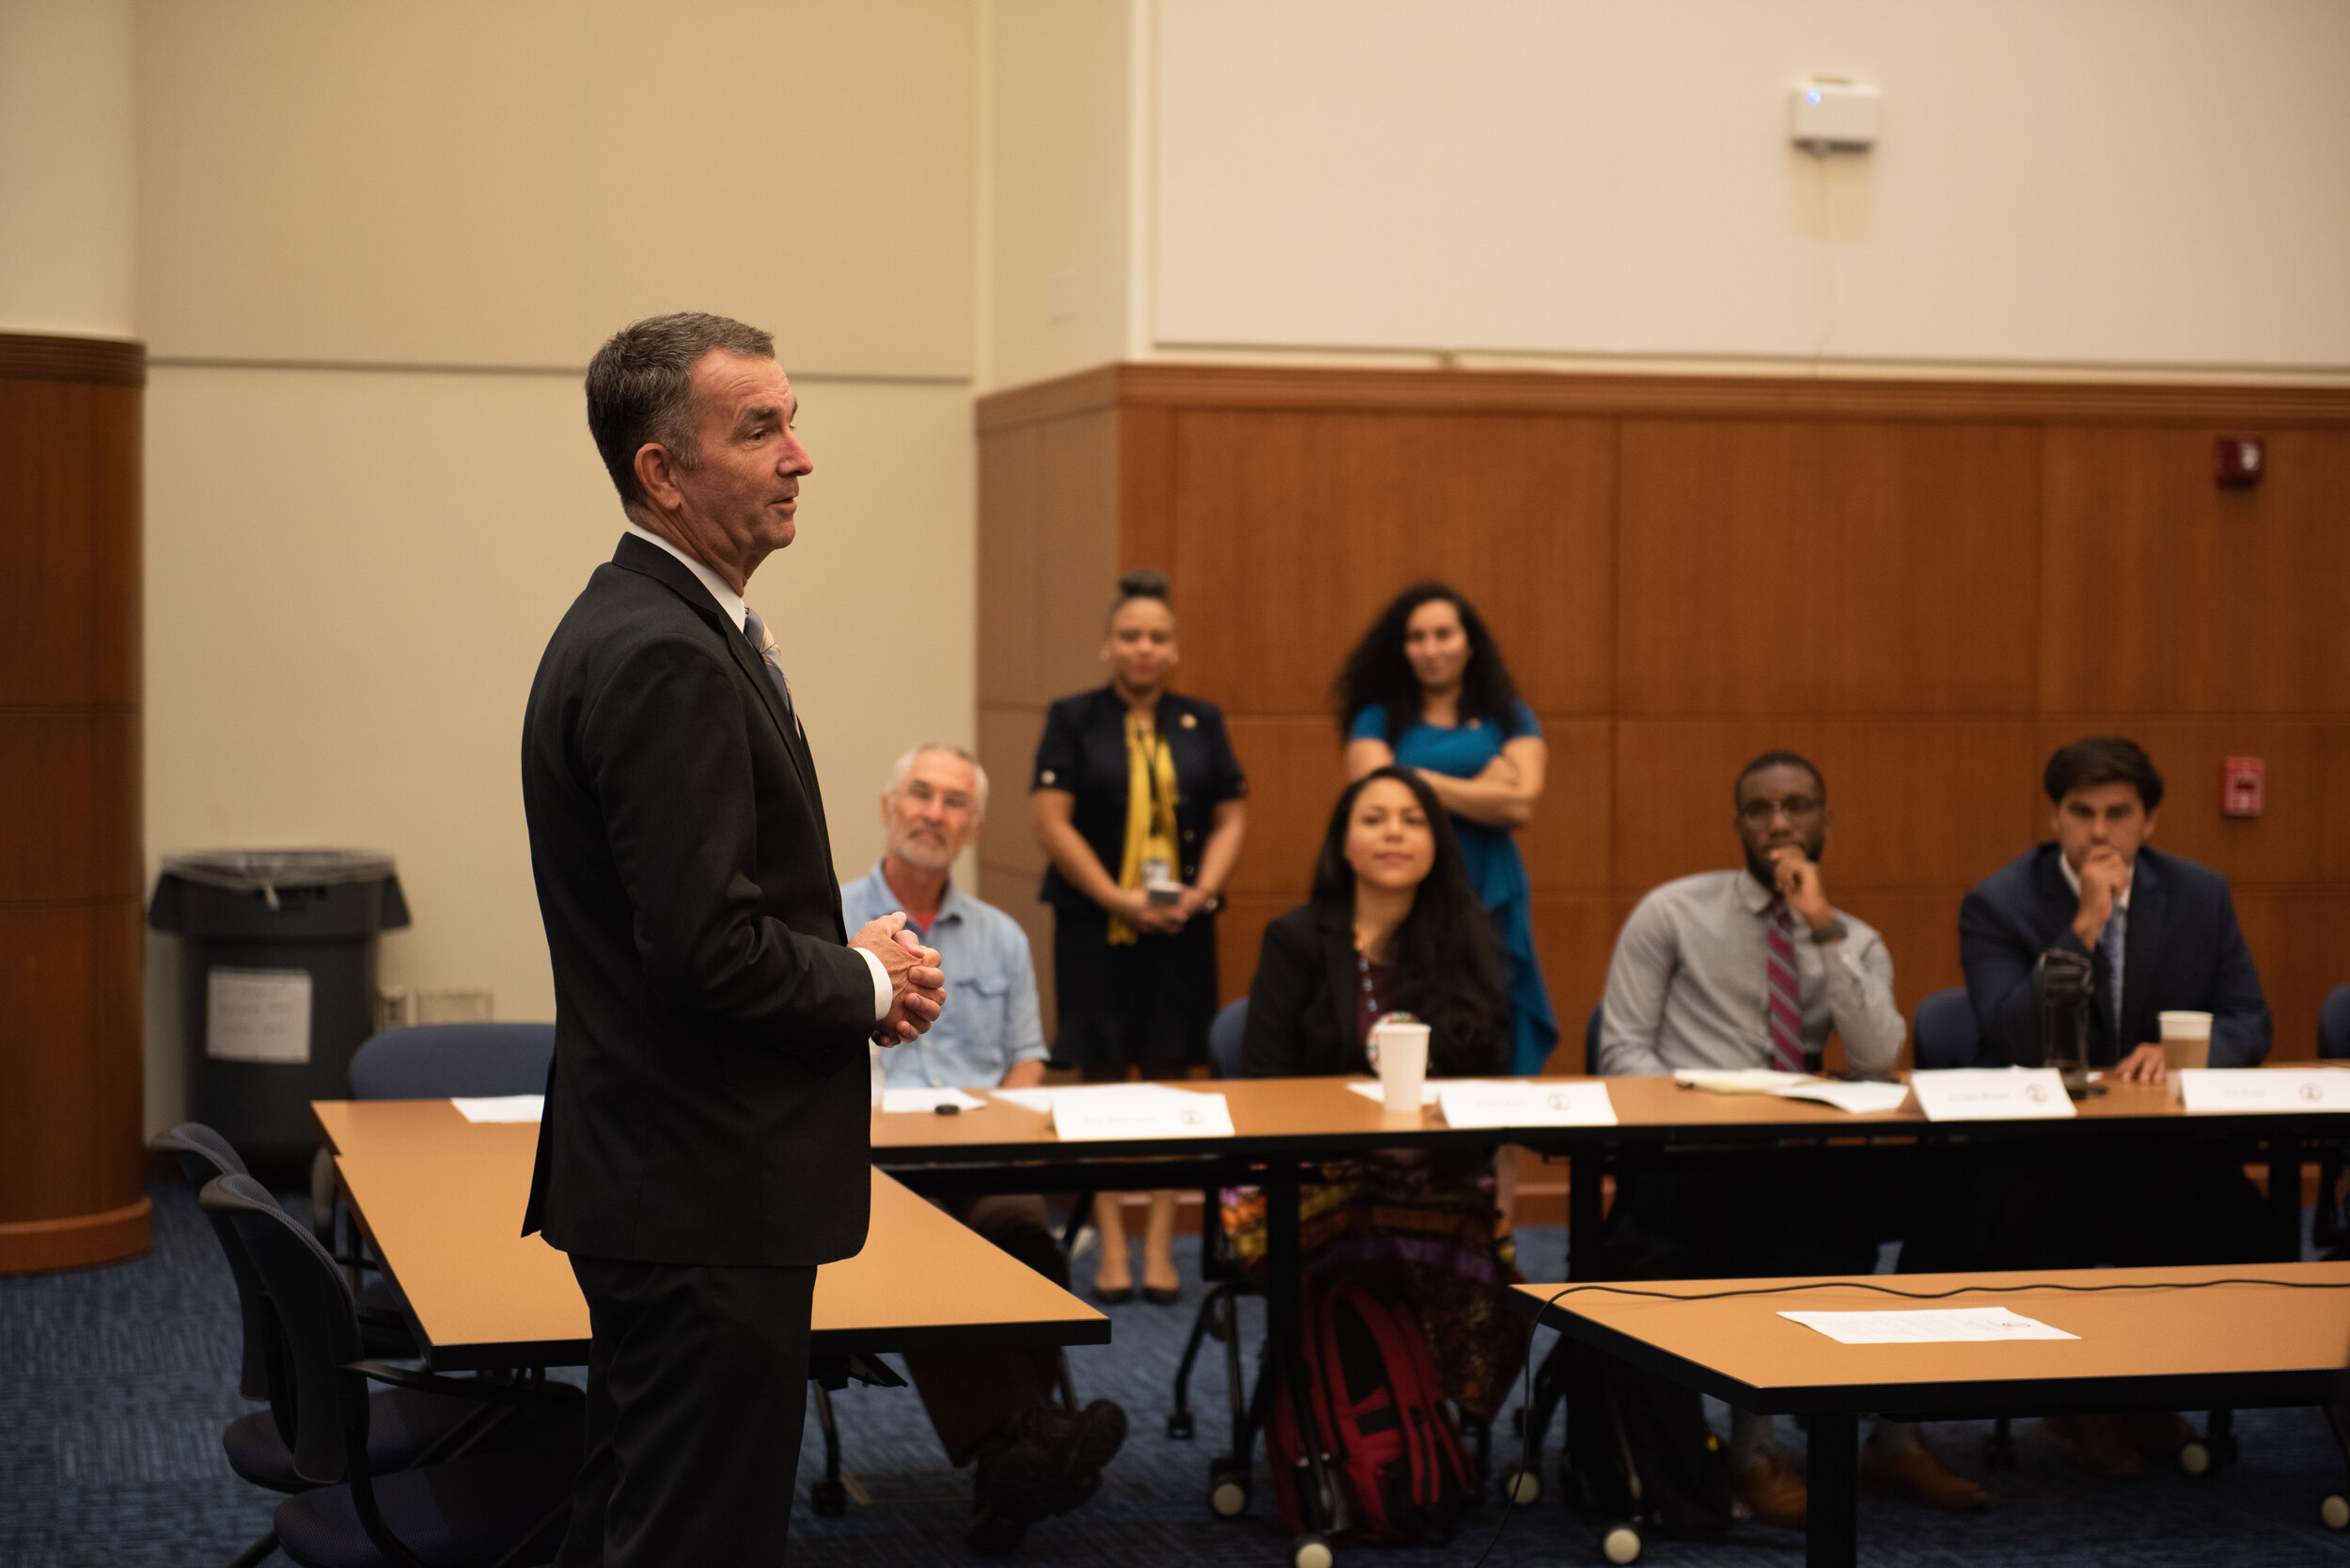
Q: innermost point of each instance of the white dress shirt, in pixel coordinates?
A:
(731, 603)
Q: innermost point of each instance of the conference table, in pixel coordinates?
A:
(2145, 1339)
(1284, 1128)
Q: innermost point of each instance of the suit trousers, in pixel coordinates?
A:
(972, 1393)
(697, 1391)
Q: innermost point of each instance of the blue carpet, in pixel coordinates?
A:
(119, 1381)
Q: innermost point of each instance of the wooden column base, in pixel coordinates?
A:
(77, 1241)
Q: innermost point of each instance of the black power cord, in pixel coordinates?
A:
(1525, 1448)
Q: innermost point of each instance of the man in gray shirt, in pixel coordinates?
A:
(1752, 968)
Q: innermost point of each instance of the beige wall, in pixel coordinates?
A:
(1056, 99)
(2161, 185)
(67, 194)
(377, 245)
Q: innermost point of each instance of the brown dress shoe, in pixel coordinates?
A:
(1917, 1474)
(1772, 1494)
(2098, 1443)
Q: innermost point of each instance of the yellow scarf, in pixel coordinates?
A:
(1149, 815)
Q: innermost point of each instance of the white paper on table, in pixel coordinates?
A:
(928, 1100)
(1941, 1325)
(502, 1107)
(1080, 1117)
(1374, 1092)
(1740, 1080)
(1521, 1103)
(1990, 1093)
(1858, 1099)
(2247, 1090)
(1043, 1100)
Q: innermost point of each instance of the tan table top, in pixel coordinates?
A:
(1310, 1117)
(2181, 1346)
(443, 1199)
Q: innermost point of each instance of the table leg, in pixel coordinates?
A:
(1831, 1537)
(1585, 1219)
(2284, 1199)
(1283, 1301)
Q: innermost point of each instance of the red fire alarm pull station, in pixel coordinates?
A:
(2239, 462)
(2242, 789)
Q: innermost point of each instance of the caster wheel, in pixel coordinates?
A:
(1519, 1487)
(2335, 1511)
(1179, 1425)
(1620, 1544)
(2196, 1458)
(1228, 1489)
(1312, 1551)
(829, 1498)
(2223, 1448)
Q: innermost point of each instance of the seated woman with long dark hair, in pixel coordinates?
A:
(1395, 926)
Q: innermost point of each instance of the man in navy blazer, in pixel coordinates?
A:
(2160, 932)
(2160, 935)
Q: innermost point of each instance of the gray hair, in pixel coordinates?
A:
(640, 388)
(904, 765)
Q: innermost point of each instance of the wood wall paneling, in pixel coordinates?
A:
(71, 871)
(2163, 593)
(1689, 570)
(1772, 567)
(1293, 529)
(1915, 801)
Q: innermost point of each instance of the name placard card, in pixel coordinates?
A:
(1094, 1118)
(1990, 1093)
(502, 1107)
(2252, 1090)
(1484, 1103)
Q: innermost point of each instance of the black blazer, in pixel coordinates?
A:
(2183, 951)
(1305, 1008)
(709, 1101)
(1084, 752)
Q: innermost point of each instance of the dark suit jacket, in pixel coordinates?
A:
(2184, 952)
(1084, 751)
(709, 1101)
(1305, 1014)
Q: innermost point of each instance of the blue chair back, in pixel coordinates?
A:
(1224, 1038)
(1944, 1032)
(437, 1061)
(2333, 1025)
(1590, 1040)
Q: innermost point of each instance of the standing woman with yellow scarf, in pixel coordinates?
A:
(1139, 807)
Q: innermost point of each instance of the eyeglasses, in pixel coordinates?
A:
(1796, 806)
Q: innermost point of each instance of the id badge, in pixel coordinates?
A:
(1158, 882)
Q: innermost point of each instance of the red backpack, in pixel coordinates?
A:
(1380, 1417)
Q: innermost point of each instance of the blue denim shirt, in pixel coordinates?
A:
(990, 1021)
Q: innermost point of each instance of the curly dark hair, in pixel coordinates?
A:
(1378, 671)
(1446, 954)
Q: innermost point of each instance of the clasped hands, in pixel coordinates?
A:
(918, 986)
(1136, 907)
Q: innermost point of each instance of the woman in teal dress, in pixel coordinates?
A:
(1426, 689)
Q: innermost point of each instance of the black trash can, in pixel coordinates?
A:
(278, 983)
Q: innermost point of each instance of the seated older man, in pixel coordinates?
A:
(992, 1406)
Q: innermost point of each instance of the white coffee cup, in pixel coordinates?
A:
(2186, 1039)
(1401, 1043)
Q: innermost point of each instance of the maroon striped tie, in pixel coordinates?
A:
(1785, 1007)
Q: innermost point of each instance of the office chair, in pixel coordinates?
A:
(403, 1425)
(468, 1501)
(1219, 1310)
(1944, 1034)
(428, 1061)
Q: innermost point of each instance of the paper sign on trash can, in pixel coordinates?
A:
(257, 1015)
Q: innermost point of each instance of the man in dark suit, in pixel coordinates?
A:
(704, 1145)
(2159, 932)
(2160, 935)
